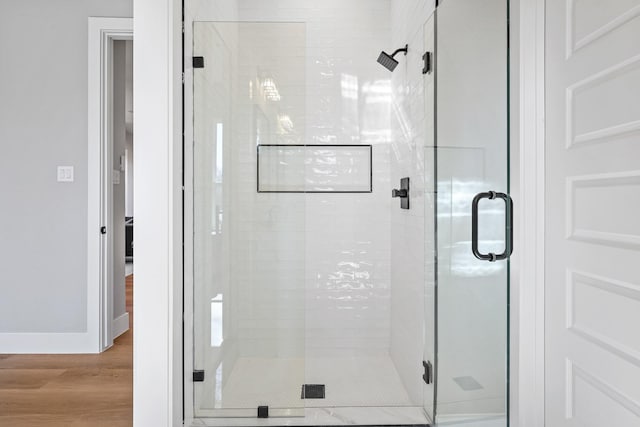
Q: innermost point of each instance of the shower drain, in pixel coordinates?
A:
(312, 391)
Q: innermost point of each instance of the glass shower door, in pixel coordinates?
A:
(472, 212)
(248, 244)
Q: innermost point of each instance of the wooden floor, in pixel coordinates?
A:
(70, 390)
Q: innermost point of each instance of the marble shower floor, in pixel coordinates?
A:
(358, 391)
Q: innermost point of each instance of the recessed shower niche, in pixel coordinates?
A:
(311, 297)
(289, 168)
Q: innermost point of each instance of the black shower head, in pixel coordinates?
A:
(387, 60)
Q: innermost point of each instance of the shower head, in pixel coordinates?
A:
(388, 61)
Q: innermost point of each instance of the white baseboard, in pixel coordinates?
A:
(48, 343)
(120, 325)
(57, 343)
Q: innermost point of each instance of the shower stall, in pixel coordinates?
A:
(347, 219)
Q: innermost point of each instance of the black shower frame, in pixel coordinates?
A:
(315, 191)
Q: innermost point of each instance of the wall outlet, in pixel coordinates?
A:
(65, 173)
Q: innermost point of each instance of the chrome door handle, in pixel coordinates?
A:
(508, 225)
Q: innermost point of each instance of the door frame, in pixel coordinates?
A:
(158, 187)
(528, 191)
(102, 33)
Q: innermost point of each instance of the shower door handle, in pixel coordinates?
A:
(508, 225)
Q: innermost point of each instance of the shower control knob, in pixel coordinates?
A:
(398, 193)
(402, 193)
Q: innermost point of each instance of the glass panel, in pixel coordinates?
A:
(472, 157)
(249, 247)
(429, 218)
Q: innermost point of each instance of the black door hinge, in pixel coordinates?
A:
(263, 412)
(427, 58)
(198, 62)
(198, 376)
(428, 372)
(103, 230)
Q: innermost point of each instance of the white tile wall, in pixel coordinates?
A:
(334, 92)
(348, 102)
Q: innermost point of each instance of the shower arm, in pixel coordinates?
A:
(404, 49)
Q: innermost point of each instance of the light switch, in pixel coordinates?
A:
(65, 173)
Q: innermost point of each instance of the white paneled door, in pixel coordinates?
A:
(592, 277)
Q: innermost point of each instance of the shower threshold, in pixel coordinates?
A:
(343, 416)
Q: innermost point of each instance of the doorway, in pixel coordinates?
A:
(110, 165)
(121, 243)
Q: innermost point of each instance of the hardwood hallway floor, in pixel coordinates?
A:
(70, 390)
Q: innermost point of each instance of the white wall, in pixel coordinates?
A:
(43, 124)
